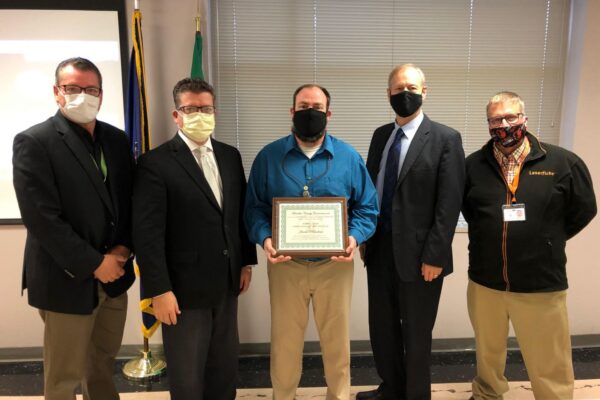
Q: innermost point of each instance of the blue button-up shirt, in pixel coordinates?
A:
(281, 169)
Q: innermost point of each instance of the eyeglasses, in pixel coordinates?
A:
(512, 119)
(74, 89)
(194, 109)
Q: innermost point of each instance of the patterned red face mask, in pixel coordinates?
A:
(508, 136)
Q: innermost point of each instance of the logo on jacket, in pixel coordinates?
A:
(542, 173)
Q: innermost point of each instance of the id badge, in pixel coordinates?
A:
(513, 212)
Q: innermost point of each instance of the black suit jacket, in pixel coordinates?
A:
(72, 217)
(184, 241)
(427, 200)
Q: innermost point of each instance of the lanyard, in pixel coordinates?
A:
(515, 183)
(102, 168)
(305, 187)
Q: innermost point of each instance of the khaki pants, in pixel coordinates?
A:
(542, 328)
(81, 349)
(292, 286)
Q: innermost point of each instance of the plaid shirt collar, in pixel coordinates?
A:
(513, 161)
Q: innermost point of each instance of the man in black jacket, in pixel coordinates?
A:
(523, 200)
(191, 246)
(72, 177)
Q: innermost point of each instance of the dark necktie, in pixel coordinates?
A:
(389, 181)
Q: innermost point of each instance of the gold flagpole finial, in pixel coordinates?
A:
(197, 15)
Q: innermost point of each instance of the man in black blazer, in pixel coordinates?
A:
(191, 246)
(72, 177)
(418, 166)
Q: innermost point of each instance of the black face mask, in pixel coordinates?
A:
(406, 103)
(508, 136)
(309, 124)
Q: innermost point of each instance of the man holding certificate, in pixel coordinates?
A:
(310, 164)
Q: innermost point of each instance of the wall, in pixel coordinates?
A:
(168, 38)
(581, 107)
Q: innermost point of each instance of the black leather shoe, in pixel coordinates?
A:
(374, 394)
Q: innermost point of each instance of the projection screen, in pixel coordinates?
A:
(32, 43)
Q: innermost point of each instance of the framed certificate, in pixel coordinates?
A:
(310, 226)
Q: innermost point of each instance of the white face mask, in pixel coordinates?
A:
(81, 108)
(198, 126)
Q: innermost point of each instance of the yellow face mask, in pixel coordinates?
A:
(198, 126)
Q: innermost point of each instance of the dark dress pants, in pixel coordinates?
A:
(202, 352)
(401, 320)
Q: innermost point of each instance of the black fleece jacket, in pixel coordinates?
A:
(529, 256)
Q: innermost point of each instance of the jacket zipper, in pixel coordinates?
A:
(504, 255)
(505, 235)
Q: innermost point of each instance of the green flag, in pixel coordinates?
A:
(197, 58)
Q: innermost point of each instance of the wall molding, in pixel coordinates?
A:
(357, 347)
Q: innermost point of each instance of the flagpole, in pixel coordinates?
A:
(196, 71)
(197, 15)
(146, 367)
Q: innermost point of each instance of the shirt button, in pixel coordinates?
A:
(225, 253)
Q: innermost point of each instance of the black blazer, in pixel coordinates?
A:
(71, 217)
(184, 241)
(427, 200)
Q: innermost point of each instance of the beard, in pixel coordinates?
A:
(308, 139)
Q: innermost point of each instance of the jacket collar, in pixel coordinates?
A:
(536, 152)
(186, 159)
(87, 162)
(291, 144)
(416, 146)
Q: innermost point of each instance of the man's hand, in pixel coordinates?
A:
(430, 272)
(349, 250)
(166, 308)
(271, 253)
(245, 278)
(110, 269)
(121, 251)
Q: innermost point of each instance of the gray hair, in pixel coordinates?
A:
(506, 97)
(401, 67)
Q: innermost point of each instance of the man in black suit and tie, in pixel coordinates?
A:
(191, 246)
(418, 166)
(72, 177)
